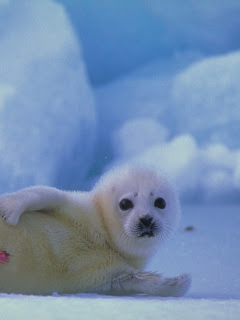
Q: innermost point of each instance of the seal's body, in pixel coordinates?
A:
(97, 241)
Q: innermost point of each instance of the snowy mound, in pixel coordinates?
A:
(207, 174)
(47, 113)
(206, 100)
(150, 107)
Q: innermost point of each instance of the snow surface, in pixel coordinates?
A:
(15, 307)
(46, 104)
(210, 252)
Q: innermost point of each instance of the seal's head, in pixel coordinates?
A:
(139, 208)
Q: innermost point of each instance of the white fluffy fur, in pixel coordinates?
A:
(70, 242)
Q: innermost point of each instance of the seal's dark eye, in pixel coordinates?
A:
(125, 204)
(160, 203)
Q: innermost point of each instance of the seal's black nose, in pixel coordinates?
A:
(146, 221)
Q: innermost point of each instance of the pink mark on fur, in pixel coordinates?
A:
(4, 256)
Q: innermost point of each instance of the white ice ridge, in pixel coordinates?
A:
(47, 112)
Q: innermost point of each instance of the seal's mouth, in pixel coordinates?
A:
(148, 234)
(145, 228)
